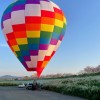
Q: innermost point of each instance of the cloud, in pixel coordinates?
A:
(3, 45)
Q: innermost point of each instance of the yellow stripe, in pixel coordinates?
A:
(33, 34)
(22, 41)
(59, 23)
(48, 28)
(16, 48)
(65, 21)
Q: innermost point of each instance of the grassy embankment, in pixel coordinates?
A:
(86, 86)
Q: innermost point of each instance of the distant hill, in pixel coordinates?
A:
(8, 77)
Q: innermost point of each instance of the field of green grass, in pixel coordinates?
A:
(87, 87)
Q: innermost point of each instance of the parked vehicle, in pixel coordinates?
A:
(29, 86)
(21, 85)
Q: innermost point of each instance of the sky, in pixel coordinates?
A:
(80, 46)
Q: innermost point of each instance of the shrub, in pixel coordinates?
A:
(8, 84)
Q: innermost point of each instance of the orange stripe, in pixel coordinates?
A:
(44, 64)
(59, 16)
(33, 27)
(47, 20)
(20, 34)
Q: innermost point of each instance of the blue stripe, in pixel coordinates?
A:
(55, 36)
(63, 31)
(45, 40)
(21, 59)
(19, 2)
(25, 53)
(9, 9)
(33, 46)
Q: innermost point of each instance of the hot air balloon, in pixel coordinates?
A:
(34, 30)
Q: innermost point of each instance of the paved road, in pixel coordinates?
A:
(14, 93)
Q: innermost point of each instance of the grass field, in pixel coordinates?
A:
(87, 87)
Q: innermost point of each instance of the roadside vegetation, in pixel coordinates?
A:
(85, 86)
(8, 84)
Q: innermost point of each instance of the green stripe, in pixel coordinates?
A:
(18, 53)
(64, 26)
(23, 47)
(46, 34)
(33, 40)
(57, 29)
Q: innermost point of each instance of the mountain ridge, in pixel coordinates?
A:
(8, 77)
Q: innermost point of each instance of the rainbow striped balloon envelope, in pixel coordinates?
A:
(33, 30)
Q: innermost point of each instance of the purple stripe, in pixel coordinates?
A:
(7, 16)
(24, 64)
(27, 58)
(43, 46)
(33, 52)
(33, 1)
(45, 0)
(19, 7)
(53, 41)
(61, 37)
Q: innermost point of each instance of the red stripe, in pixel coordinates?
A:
(19, 27)
(58, 11)
(53, 53)
(20, 34)
(39, 71)
(12, 42)
(39, 64)
(33, 19)
(39, 68)
(30, 69)
(9, 44)
(47, 58)
(10, 36)
(47, 14)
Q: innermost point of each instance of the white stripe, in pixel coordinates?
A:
(54, 5)
(50, 50)
(41, 55)
(34, 60)
(32, 10)
(7, 26)
(46, 6)
(29, 64)
(57, 46)
(18, 17)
